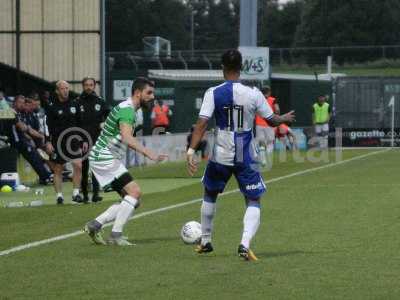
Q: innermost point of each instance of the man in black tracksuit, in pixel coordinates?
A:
(93, 112)
(63, 139)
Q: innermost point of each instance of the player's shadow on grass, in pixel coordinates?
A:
(283, 253)
(154, 240)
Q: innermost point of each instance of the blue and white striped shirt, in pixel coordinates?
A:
(235, 107)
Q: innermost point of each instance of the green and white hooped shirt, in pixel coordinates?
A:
(109, 145)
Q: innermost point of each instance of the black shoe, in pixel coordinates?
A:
(60, 200)
(204, 248)
(246, 253)
(77, 199)
(96, 198)
(85, 198)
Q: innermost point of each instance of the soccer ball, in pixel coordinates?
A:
(191, 232)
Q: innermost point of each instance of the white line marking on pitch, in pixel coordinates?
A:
(158, 210)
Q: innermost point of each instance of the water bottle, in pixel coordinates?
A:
(15, 204)
(36, 203)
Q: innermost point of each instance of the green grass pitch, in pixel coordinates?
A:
(332, 233)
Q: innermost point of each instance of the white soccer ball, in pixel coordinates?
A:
(191, 232)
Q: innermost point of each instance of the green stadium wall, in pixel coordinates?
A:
(298, 95)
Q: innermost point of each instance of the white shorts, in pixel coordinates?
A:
(106, 171)
(265, 134)
(319, 128)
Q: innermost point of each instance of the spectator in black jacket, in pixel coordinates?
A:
(33, 121)
(21, 140)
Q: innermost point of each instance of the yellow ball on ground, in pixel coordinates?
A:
(6, 189)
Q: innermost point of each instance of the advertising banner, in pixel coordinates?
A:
(353, 137)
(255, 63)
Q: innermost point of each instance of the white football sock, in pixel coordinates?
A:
(60, 195)
(126, 208)
(325, 141)
(251, 221)
(208, 210)
(262, 155)
(75, 192)
(270, 148)
(321, 142)
(109, 215)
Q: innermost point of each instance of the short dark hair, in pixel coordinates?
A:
(140, 83)
(232, 60)
(34, 95)
(88, 78)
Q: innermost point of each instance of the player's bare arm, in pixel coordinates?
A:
(133, 143)
(276, 120)
(198, 133)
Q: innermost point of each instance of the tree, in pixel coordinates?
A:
(131, 20)
(349, 23)
(298, 23)
(217, 23)
(277, 24)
